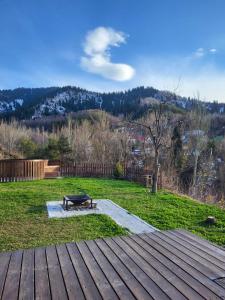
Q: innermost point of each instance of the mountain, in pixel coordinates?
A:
(34, 103)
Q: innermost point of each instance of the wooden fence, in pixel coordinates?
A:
(137, 174)
(21, 169)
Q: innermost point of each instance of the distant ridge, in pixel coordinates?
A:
(33, 103)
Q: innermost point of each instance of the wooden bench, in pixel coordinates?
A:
(76, 199)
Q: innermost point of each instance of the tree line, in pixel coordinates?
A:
(188, 147)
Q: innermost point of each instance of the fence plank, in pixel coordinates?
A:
(21, 169)
(85, 169)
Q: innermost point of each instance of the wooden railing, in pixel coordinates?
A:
(87, 170)
(21, 169)
(137, 174)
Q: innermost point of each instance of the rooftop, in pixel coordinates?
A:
(159, 265)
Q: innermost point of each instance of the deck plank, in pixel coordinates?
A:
(221, 282)
(97, 274)
(26, 291)
(4, 263)
(184, 263)
(73, 287)
(162, 265)
(42, 286)
(196, 261)
(203, 245)
(58, 290)
(212, 259)
(138, 265)
(87, 283)
(190, 287)
(115, 280)
(11, 288)
(173, 282)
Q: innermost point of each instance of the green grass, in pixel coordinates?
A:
(24, 222)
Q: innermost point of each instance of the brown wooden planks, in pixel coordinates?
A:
(171, 284)
(4, 264)
(27, 276)
(21, 169)
(183, 262)
(145, 266)
(11, 288)
(127, 276)
(183, 281)
(151, 279)
(102, 170)
(58, 290)
(221, 282)
(210, 256)
(112, 275)
(96, 272)
(205, 266)
(42, 287)
(202, 244)
(86, 281)
(72, 284)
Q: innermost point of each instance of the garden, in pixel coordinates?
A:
(24, 222)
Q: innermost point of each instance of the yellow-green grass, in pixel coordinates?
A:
(24, 222)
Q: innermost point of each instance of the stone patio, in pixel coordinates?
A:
(104, 206)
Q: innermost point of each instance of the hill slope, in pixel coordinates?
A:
(34, 103)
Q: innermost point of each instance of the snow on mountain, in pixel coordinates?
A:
(11, 106)
(64, 101)
(38, 102)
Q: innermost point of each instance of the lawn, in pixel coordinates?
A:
(24, 222)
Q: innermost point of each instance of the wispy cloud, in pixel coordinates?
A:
(183, 75)
(200, 52)
(97, 48)
(213, 50)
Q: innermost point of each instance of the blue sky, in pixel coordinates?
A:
(177, 45)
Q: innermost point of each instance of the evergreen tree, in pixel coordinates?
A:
(177, 145)
(52, 150)
(27, 147)
(64, 147)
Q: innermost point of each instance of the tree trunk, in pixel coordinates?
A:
(195, 173)
(155, 174)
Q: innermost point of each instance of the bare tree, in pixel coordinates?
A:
(197, 140)
(156, 125)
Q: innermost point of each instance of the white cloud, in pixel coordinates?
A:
(97, 47)
(213, 50)
(200, 52)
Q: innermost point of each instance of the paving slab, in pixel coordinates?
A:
(104, 206)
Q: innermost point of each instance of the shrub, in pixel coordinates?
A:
(118, 171)
(27, 147)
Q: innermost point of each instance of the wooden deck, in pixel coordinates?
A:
(160, 265)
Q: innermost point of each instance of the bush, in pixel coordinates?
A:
(118, 171)
(27, 147)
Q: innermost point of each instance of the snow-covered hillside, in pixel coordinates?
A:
(38, 102)
(65, 102)
(10, 106)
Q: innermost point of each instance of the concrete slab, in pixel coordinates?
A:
(104, 206)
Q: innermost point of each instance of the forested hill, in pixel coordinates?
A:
(33, 103)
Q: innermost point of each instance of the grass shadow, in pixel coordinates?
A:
(37, 209)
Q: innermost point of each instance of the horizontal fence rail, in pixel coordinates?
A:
(21, 170)
(137, 174)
